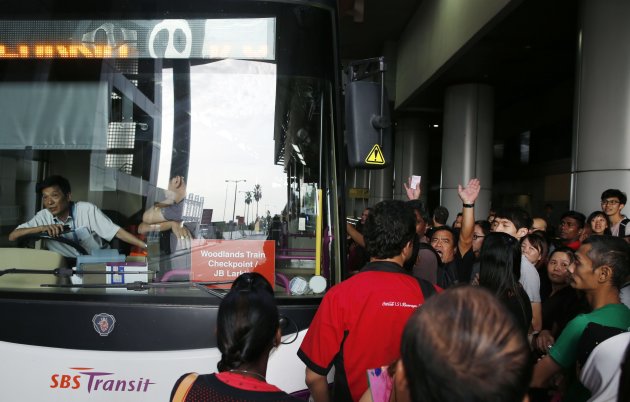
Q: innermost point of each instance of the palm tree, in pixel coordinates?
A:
(248, 200)
(257, 196)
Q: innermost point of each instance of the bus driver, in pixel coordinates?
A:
(85, 223)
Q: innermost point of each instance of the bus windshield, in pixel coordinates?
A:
(194, 148)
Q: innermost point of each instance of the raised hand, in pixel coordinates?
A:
(469, 194)
(413, 193)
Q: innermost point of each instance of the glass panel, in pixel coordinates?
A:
(199, 138)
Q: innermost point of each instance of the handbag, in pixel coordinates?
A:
(184, 387)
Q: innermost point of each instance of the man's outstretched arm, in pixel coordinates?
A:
(127, 237)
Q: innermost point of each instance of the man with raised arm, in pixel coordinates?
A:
(84, 223)
(456, 258)
(167, 214)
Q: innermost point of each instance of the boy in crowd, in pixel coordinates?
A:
(613, 201)
(571, 228)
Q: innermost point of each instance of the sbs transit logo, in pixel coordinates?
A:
(85, 378)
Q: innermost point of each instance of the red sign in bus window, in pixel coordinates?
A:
(225, 260)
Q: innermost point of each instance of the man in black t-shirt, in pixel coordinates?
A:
(457, 258)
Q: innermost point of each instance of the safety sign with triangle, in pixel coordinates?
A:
(375, 157)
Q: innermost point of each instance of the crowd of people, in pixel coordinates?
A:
(565, 288)
(494, 310)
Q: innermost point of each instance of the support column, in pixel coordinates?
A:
(467, 145)
(378, 181)
(601, 138)
(411, 154)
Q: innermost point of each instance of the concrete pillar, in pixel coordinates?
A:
(411, 154)
(378, 181)
(467, 145)
(601, 141)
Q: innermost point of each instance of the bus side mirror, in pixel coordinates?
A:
(368, 124)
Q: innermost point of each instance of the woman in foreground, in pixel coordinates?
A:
(461, 345)
(248, 328)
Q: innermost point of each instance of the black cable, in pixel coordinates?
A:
(284, 321)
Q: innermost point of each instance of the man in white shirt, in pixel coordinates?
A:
(81, 222)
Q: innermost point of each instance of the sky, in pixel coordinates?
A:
(232, 124)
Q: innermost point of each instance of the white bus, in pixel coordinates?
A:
(237, 100)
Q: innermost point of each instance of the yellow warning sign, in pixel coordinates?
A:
(375, 157)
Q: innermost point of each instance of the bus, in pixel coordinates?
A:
(228, 109)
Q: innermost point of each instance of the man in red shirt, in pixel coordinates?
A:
(360, 321)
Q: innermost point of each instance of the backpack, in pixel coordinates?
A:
(182, 390)
(622, 227)
(427, 288)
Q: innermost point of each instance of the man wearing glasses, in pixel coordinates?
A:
(613, 201)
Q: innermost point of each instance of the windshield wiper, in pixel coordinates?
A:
(59, 272)
(136, 286)
(63, 272)
(140, 286)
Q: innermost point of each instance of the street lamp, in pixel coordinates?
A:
(235, 191)
(225, 201)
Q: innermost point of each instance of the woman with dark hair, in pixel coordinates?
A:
(462, 345)
(535, 248)
(563, 303)
(500, 271)
(480, 231)
(248, 328)
(598, 223)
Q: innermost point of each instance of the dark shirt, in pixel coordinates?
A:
(457, 271)
(560, 308)
(209, 388)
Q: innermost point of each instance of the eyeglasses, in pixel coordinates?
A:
(610, 202)
(476, 236)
